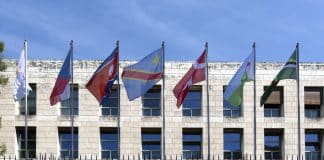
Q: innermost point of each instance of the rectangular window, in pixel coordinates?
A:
(229, 110)
(152, 102)
(31, 101)
(192, 103)
(110, 104)
(272, 144)
(232, 143)
(65, 140)
(312, 145)
(313, 100)
(191, 143)
(274, 105)
(151, 143)
(109, 143)
(66, 105)
(31, 142)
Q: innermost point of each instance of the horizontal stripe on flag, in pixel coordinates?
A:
(141, 75)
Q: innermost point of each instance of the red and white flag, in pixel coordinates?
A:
(195, 74)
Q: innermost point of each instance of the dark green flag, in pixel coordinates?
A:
(287, 72)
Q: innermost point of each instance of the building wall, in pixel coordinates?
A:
(89, 120)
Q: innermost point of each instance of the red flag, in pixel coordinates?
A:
(195, 74)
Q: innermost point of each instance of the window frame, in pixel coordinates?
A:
(65, 103)
(109, 107)
(67, 131)
(113, 131)
(32, 96)
(228, 110)
(313, 110)
(192, 154)
(270, 109)
(154, 89)
(152, 154)
(185, 109)
(313, 143)
(234, 154)
(30, 140)
(273, 132)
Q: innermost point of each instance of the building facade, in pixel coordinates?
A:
(231, 128)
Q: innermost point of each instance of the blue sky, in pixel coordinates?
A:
(230, 27)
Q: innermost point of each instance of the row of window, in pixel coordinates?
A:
(191, 143)
(151, 103)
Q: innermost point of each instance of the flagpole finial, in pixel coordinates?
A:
(162, 43)
(206, 44)
(71, 43)
(117, 43)
(253, 45)
(297, 45)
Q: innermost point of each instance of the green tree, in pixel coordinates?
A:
(3, 81)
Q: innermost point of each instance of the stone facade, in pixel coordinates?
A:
(89, 120)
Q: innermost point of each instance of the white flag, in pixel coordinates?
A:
(20, 83)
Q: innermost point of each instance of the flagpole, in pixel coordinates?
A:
(254, 102)
(26, 105)
(298, 100)
(207, 89)
(118, 118)
(71, 100)
(163, 106)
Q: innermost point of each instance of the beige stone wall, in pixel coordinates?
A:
(89, 120)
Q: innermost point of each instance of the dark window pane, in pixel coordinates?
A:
(73, 102)
(312, 137)
(191, 137)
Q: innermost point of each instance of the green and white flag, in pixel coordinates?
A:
(287, 72)
(234, 91)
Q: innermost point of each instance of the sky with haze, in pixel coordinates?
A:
(229, 26)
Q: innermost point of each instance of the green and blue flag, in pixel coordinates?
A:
(234, 91)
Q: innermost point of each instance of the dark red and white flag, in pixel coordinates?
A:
(195, 74)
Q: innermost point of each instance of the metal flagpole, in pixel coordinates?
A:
(207, 89)
(118, 89)
(298, 99)
(71, 100)
(163, 106)
(254, 101)
(26, 100)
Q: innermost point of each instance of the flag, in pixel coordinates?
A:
(61, 90)
(195, 74)
(20, 82)
(101, 82)
(287, 72)
(140, 77)
(234, 91)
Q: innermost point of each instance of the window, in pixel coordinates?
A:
(109, 143)
(232, 144)
(272, 144)
(229, 110)
(152, 102)
(192, 103)
(31, 101)
(312, 145)
(274, 105)
(313, 101)
(191, 143)
(151, 143)
(66, 104)
(31, 142)
(110, 104)
(65, 140)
